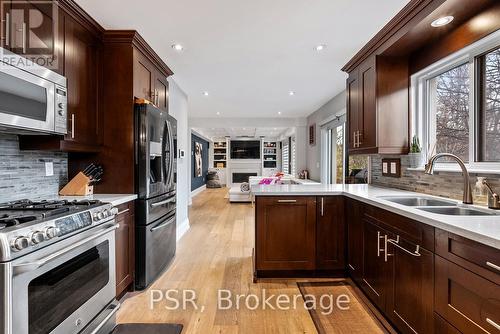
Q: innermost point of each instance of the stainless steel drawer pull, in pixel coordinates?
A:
(492, 265)
(7, 29)
(378, 243)
(322, 206)
(163, 202)
(287, 201)
(416, 253)
(72, 126)
(122, 212)
(492, 323)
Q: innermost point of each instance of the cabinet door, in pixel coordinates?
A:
(330, 233)
(285, 233)
(410, 297)
(161, 91)
(354, 223)
(124, 245)
(466, 300)
(81, 68)
(375, 265)
(352, 108)
(6, 21)
(367, 116)
(143, 77)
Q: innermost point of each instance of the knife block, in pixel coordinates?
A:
(78, 186)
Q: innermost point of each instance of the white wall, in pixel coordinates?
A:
(335, 107)
(178, 108)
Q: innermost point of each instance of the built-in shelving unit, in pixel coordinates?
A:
(270, 157)
(220, 154)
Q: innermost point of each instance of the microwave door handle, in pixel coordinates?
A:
(30, 266)
(163, 225)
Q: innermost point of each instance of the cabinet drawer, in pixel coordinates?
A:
(413, 231)
(476, 257)
(467, 301)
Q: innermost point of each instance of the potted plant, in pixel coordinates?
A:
(415, 155)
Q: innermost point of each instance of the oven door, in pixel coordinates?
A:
(26, 100)
(61, 290)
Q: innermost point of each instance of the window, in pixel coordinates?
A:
(293, 169)
(285, 152)
(333, 151)
(457, 105)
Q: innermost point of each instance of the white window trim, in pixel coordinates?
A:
(419, 101)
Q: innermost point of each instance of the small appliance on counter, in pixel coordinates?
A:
(155, 177)
(83, 183)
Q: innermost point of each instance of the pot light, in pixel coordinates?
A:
(279, 112)
(442, 21)
(217, 113)
(177, 47)
(291, 93)
(320, 47)
(205, 93)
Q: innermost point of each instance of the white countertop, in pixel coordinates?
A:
(113, 199)
(483, 229)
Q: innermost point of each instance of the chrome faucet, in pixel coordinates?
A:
(429, 169)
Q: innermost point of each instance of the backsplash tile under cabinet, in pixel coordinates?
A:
(443, 184)
(22, 173)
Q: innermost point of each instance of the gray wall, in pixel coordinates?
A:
(334, 107)
(446, 184)
(22, 173)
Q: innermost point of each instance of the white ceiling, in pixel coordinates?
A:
(234, 132)
(249, 54)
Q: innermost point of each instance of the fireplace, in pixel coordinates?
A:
(242, 177)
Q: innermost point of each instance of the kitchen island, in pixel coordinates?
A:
(425, 271)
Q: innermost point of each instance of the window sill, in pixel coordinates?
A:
(456, 169)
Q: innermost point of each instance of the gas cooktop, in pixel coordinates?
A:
(24, 211)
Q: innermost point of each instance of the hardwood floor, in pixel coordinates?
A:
(216, 253)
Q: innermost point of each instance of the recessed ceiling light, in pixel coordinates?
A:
(291, 93)
(275, 129)
(217, 113)
(205, 93)
(279, 112)
(177, 47)
(320, 47)
(442, 21)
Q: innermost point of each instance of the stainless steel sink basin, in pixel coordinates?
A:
(418, 201)
(458, 211)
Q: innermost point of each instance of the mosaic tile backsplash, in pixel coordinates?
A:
(445, 184)
(22, 173)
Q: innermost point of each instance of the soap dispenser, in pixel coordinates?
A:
(480, 192)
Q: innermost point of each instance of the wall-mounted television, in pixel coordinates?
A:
(245, 149)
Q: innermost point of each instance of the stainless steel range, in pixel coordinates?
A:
(57, 267)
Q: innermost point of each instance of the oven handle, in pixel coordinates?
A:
(30, 266)
(154, 205)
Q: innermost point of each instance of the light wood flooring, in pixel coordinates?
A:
(216, 253)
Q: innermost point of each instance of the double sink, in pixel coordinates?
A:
(438, 206)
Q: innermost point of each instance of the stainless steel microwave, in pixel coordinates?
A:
(33, 99)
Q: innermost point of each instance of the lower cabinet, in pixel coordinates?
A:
(295, 234)
(125, 248)
(285, 233)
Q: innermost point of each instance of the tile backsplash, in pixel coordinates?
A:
(445, 184)
(22, 173)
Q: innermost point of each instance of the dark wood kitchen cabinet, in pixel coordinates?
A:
(285, 233)
(125, 248)
(79, 55)
(330, 233)
(354, 214)
(377, 107)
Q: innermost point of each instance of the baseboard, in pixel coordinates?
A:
(198, 190)
(182, 228)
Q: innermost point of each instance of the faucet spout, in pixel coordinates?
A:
(429, 169)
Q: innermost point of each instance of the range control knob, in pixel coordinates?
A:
(37, 237)
(100, 215)
(60, 112)
(60, 105)
(114, 211)
(20, 243)
(50, 232)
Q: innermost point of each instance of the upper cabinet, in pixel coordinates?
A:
(377, 107)
(77, 47)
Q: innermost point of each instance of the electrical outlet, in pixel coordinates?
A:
(49, 169)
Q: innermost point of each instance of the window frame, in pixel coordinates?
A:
(420, 101)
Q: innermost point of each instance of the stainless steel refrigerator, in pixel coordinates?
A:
(156, 175)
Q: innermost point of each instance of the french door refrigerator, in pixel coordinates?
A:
(156, 175)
